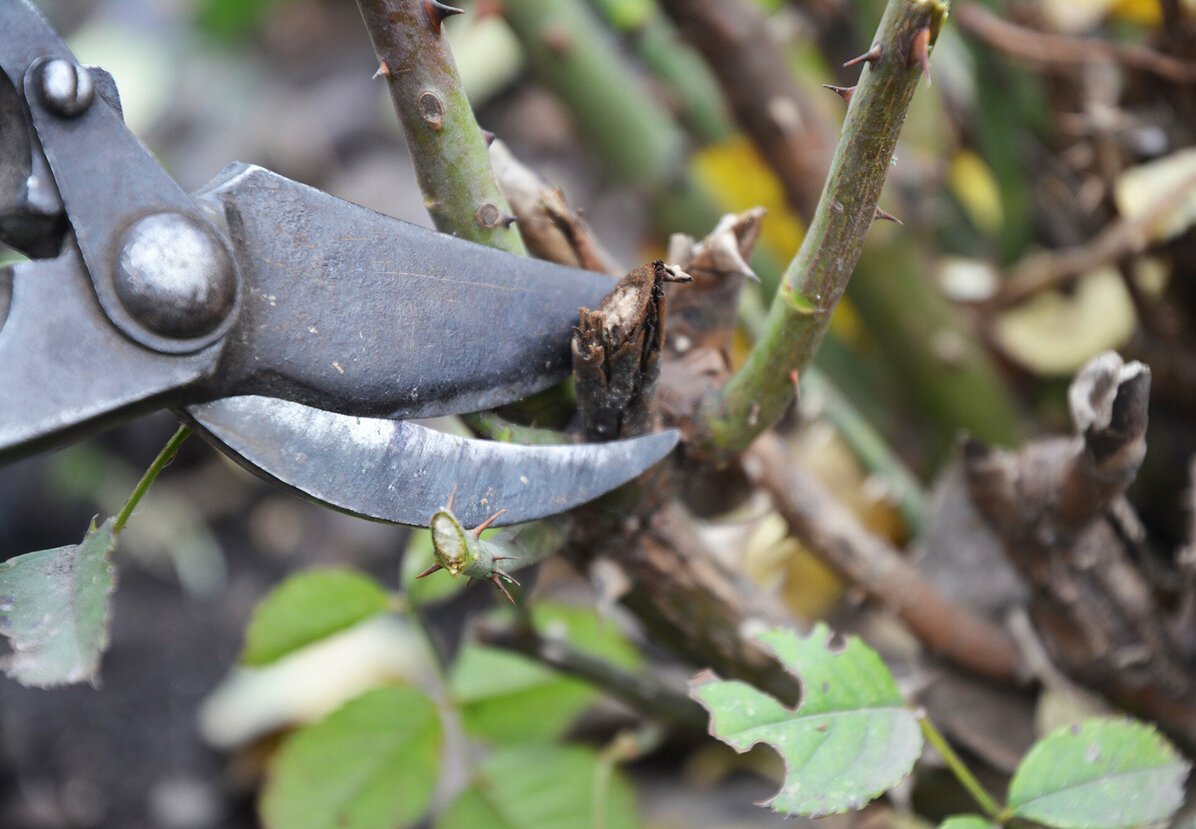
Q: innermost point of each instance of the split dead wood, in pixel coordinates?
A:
(616, 354)
(827, 527)
(1059, 507)
(1048, 49)
(735, 39)
(551, 229)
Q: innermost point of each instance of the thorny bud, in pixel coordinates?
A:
(463, 553)
(844, 92)
(438, 11)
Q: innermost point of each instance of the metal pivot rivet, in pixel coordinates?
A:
(66, 87)
(174, 276)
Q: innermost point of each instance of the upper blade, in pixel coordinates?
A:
(352, 311)
(402, 472)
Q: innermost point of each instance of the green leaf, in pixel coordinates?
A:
(966, 822)
(54, 610)
(543, 787)
(308, 607)
(1107, 772)
(851, 739)
(506, 697)
(371, 764)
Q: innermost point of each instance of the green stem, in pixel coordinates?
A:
(695, 94)
(496, 427)
(816, 279)
(164, 457)
(447, 147)
(962, 773)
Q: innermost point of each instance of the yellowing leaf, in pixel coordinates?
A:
(1159, 195)
(973, 183)
(734, 171)
(1054, 334)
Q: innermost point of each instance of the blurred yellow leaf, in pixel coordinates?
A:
(973, 183)
(1160, 195)
(1144, 12)
(736, 174)
(1055, 333)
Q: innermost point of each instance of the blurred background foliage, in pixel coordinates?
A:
(1047, 186)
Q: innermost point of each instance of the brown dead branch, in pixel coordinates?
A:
(1050, 269)
(1066, 51)
(550, 228)
(829, 528)
(735, 39)
(616, 354)
(1060, 510)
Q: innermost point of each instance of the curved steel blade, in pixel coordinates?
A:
(352, 311)
(401, 472)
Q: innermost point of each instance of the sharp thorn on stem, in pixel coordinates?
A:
(887, 216)
(498, 583)
(508, 220)
(919, 52)
(844, 92)
(430, 570)
(871, 56)
(383, 71)
(488, 137)
(438, 11)
(477, 531)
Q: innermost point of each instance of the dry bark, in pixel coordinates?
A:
(1059, 507)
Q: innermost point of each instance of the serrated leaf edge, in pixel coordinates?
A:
(708, 676)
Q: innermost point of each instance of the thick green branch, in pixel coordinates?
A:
(815, 281)
(446, 144)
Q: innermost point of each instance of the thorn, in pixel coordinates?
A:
(498, 583)
(871, 56)
(477, 531)
(795, 377)
(508, 220)
(844, 92)
(919, 52)
(452, 495)
(488, 137)
(438, 11)
(506, 558)
(888, 217)
(383, 71)
(430, 570)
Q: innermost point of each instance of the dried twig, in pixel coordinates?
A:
(641, 692)
(827, 527)
(1045, 49)
(1060, 510)
(736, 40)
(550, 228)
(1050, 269)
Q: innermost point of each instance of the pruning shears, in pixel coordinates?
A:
(298, 332)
